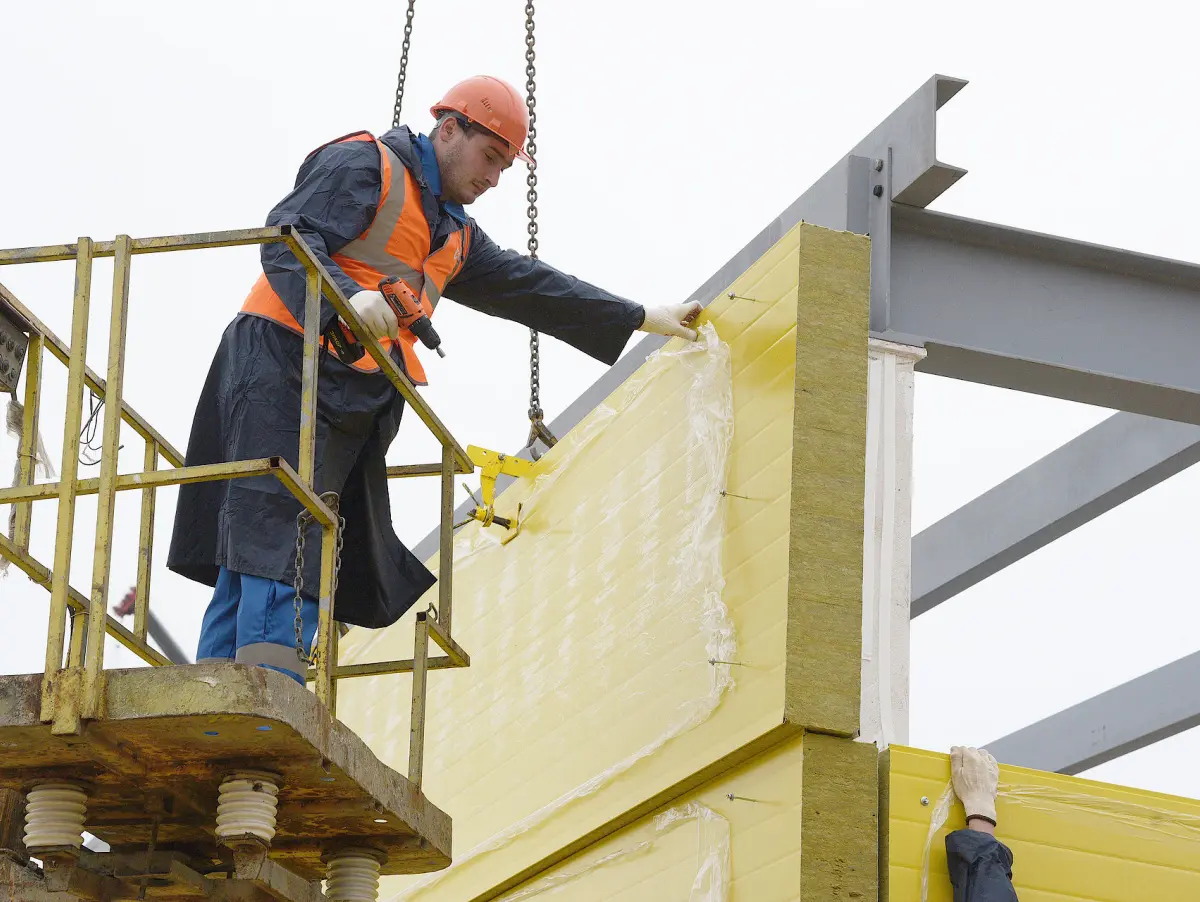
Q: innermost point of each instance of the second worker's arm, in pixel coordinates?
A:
(980, 865)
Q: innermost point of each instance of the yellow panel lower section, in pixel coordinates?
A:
(705, 847)
(1071, 838)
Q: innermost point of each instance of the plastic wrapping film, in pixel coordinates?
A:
(937, 819)
(712, 874)
(1131, 818)
(679, 616)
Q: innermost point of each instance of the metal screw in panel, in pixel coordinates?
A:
(925, 801)
(877, 190)
(879, 165)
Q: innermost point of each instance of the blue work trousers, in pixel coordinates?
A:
(251, 620)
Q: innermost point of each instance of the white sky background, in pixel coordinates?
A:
(669, 134)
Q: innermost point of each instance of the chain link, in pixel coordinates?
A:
(303, 520)
(537, 425)
(403, 64)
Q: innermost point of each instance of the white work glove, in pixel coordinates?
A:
(674, 320)
(975, 776)
(375, 313)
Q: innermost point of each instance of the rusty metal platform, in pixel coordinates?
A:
(166, 738)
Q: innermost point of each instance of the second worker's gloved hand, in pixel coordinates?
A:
(375, 313)
(673, 320)
(976, 777)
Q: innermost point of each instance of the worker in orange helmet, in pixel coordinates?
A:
(368, 207)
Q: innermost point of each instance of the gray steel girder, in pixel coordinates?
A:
(1131, 716)
(1047, 315)
(1110, 463)
(166, 642)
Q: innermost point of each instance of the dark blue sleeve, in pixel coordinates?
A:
(980, 867)
(333, 202)
(515, 287)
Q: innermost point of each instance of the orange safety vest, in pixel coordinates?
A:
(395, 244)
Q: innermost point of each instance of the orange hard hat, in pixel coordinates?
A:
(493, 104)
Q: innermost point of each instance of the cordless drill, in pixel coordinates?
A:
(409, 315)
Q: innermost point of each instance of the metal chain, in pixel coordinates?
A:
(303, 520)
(403, 64)
(537, 425)
(337, 547)
(531, 140)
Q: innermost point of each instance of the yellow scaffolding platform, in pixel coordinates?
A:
(155, 751)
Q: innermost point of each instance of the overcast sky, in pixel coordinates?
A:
(669, 134)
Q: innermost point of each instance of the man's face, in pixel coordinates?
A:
(470, 162)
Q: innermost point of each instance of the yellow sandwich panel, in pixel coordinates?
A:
(653, 544)
(1071, 838)
(795, 823)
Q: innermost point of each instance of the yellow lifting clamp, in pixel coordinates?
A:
(492, 464)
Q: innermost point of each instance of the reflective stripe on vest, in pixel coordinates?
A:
(395, 244)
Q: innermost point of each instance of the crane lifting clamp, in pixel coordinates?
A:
(492, 464)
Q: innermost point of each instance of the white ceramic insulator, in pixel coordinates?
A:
(54, 816)
(353, 877)
(246, 804)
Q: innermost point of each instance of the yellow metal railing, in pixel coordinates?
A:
(72, 690)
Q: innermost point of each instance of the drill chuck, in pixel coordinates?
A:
(423, 329)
